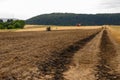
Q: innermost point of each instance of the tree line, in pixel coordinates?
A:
(73, 19)
(12, 24)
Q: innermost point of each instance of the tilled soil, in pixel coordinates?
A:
(53, 70)
(70, 55)
(24, 55)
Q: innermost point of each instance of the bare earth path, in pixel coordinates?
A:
(108, 62)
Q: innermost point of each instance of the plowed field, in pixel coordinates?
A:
(84, 54)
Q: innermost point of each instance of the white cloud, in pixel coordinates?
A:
(27, 8)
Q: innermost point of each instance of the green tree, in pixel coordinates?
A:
(11, 27)
(1, 21)
(1, 26)
(11, 24)
(10, 20)
(5, 24)
(19, 24)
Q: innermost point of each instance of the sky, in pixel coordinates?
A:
(25, 9)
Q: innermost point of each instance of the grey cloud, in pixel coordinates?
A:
(110, 3)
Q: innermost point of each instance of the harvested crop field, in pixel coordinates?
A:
(53, 28)
(84, 54)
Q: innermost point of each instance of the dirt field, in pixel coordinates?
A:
(83, 54)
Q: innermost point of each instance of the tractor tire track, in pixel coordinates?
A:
(54, 68)
(106, 70)
(83, 65)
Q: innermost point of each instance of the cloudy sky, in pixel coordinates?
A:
(24, 9)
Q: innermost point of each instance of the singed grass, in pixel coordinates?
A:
(53, 27)
(115, 31)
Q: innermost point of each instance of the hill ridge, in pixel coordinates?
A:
(73, 19)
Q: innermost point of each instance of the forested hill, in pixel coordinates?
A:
(73, 19)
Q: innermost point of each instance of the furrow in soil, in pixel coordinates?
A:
(54, 69)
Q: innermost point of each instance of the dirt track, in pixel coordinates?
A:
(107, 63)
(92, 56)
(84, 61)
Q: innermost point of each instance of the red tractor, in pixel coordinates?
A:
(78, 25)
